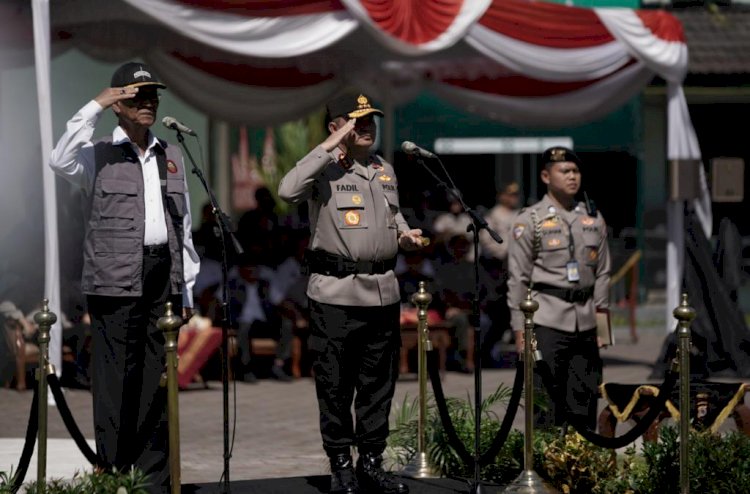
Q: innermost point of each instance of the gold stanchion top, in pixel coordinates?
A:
(45, 317)
(169, 321)
(421, 297)
(528, 306)
(684, 313)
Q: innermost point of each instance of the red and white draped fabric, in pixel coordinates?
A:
(522, 62)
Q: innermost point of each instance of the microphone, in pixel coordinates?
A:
(172, 123)
(410, 148)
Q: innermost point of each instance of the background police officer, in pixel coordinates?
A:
(559, 249)
(356, 229)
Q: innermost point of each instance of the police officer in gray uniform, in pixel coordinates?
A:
(356, 230)
(559, 248)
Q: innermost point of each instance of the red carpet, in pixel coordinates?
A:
(319, 485)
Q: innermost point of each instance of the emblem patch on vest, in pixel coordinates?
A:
(351, 218)
(171, 166)
(518, 230)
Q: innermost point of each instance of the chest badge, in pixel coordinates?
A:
(356, 199)
(588, 221)
(553, 242)
(351, 218)
(171, 166)
(384, 178)
(549, 223)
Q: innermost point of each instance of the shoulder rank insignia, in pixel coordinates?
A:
(518, 230)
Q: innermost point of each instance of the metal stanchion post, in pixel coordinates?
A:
(684, 315)
(529, 481)
(44, 319)
(170, 323)
(419, 466)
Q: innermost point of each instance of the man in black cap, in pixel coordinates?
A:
(558, 248)
(356, 229)
(138, 254)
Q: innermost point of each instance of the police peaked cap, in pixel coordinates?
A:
(558, 154)
(351, 106)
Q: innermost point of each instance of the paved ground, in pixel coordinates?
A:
(275, 424)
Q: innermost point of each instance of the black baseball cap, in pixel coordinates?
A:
(351, 106)
(557, 154)
(135, 74)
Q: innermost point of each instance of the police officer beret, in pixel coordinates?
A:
(135, 74)
(351, 106)
(558, 154)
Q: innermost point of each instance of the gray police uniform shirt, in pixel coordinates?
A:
(554, 230)
(354, 212)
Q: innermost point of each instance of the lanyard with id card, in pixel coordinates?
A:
(571, 268)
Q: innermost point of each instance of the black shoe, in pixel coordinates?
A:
(249, 378)
(374, 479)
(343, 479)
(277, 372)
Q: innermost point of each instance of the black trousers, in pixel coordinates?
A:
(354, 349)
(577, 371)
(128, 358)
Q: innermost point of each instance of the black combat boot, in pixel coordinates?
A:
(343, 479)
(374, 479)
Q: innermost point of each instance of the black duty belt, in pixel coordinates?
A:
(570, 295)
(156, 250)
(322, 262)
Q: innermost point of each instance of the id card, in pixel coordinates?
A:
(572, 271)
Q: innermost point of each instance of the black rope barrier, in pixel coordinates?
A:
(70, 423)
(453, 440)
(659, 404)
(510, 415)
(445, 418)
(28, 446)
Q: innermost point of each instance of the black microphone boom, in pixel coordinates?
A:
(172, 123)
(410, 148)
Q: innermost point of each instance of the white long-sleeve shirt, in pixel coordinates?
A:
(73, 159)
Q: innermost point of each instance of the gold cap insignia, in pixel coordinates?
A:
(557, 155)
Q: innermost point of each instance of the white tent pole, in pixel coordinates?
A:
(51, 251)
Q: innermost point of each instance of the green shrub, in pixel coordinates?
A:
(96, 482)
(719, 464)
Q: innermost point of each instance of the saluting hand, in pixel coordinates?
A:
(112, 95)
(335, 138)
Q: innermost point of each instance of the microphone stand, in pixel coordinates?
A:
(224, 230)
(478, 223)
